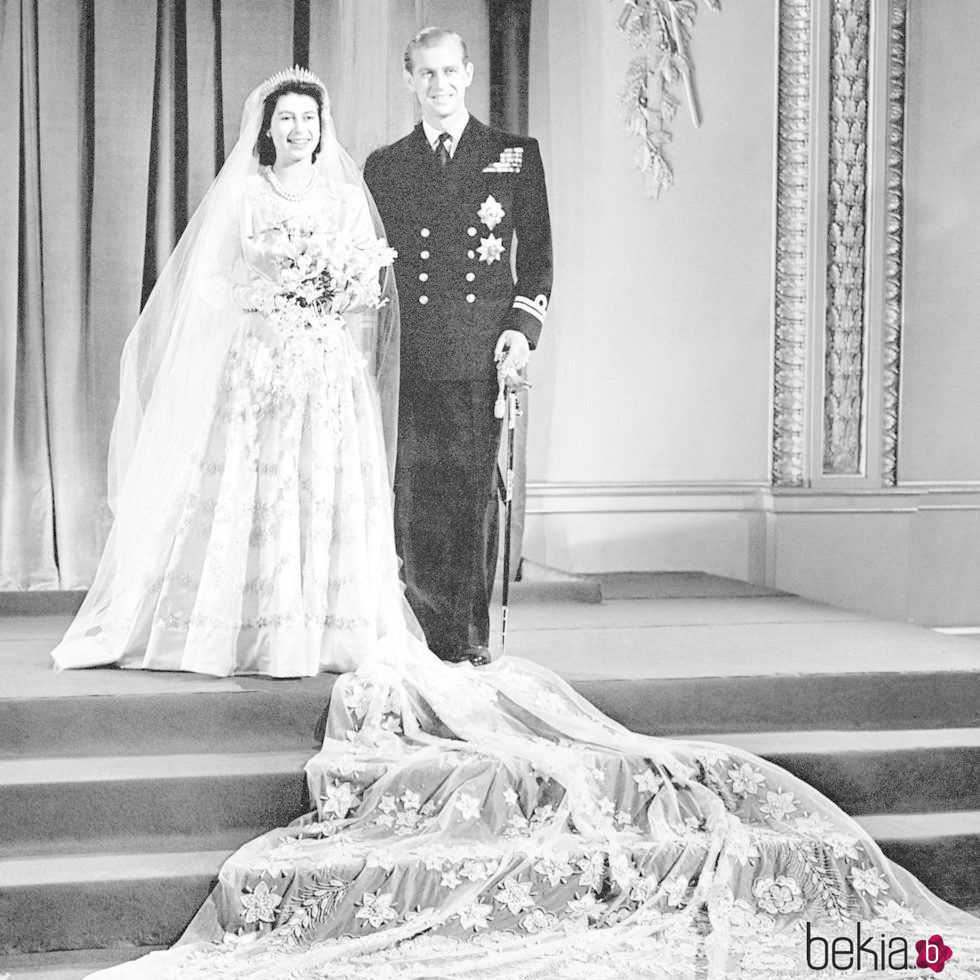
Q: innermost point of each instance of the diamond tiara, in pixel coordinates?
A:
(294, 74)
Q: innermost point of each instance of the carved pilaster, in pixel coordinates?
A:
(894, 220)
(844, 402)
(792, 233)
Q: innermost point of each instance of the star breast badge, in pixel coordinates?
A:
(491, 213)
(491, 248)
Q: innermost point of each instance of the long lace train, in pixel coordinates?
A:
(491, 823)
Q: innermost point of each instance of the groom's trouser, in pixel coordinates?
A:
(445, 507)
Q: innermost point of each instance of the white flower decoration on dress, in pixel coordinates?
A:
(517, 826)
(592, 868)
(450, 879)
(475, 916)
(780, 895)
(745, 779)
(555, 868)
(338, 800)
(539, 921)
(843, 845)
(516, 895)
(891, 914)
(261, 905)
(588, 907)
(869, 880)
(491, 249)
(678, 892)
(644, 889)
(740, 845)
(345, 765)
(745, 921)
(648, 782)
(623, 873)
(468, 806)
(478, 870)
(813, 825)
(779, 805)
(376, 909)
(491, 213)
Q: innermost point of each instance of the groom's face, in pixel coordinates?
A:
(440, 78)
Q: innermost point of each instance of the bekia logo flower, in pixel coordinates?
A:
(933, 953)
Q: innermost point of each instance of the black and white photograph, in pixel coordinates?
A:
(490, 489)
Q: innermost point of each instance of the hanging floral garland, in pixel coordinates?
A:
(661, 29)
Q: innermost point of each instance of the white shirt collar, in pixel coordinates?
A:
(456, 131)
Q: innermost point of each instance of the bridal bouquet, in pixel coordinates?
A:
(315, 276)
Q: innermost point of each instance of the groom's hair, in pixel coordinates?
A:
(429, 37)
(264, 146)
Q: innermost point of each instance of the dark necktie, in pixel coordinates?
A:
(442, 150)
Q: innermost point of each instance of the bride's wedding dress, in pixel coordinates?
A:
(467, 822)
(281, 562)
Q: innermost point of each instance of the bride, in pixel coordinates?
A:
(469, 822)
(247, 461)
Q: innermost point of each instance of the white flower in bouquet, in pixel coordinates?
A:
(315, 276)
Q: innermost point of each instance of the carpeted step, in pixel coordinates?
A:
(73, 964)
(79, 803)
(685, 706)
(102, 900)
(288, 715)
(278, 717)
(941, 849)
(57, 804)
(908, 771)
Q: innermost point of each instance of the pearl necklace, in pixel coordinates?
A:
(289, 195)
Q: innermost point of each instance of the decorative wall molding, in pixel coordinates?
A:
(648, 497)
(844, 398)
(626, 488)
(894, 223)
(745, 497)
(792, 245)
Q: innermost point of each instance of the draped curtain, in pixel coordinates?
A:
(117, 116)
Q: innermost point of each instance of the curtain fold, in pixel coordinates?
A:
(119, 113)
(66, 102)
(167, 187)
(27, 542)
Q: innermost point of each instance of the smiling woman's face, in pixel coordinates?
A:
(295, 128)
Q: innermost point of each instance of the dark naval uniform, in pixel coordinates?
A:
(453, 228)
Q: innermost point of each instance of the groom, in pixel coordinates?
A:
(452, 194)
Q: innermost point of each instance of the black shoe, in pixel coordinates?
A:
(479, 656)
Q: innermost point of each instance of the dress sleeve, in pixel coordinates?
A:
(356, 219)
(224, 271)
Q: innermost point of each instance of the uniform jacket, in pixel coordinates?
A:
(453, 229)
